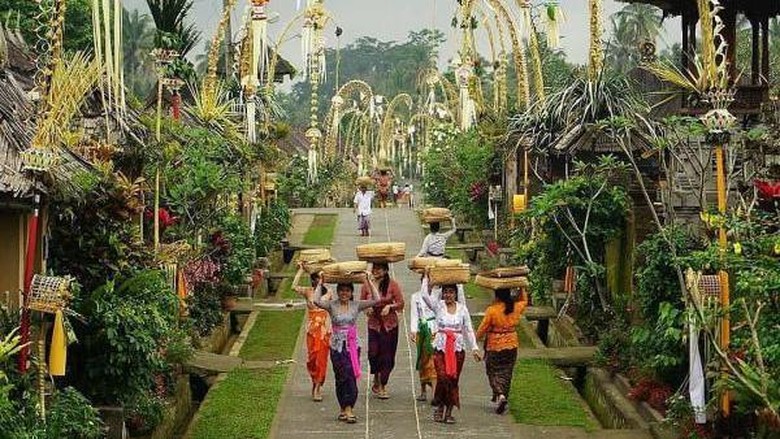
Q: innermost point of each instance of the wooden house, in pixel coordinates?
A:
(752, 88)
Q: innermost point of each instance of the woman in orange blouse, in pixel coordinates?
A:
(501, 343)
(318, 331)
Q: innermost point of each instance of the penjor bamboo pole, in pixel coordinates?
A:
(725, 299)
(157, 173)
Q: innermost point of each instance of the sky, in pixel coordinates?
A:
(392, 20)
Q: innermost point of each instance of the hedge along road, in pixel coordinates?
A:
(401, 416)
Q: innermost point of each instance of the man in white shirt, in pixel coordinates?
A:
(362, 206)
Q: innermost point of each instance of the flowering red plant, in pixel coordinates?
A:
(492, 248)
(654, 392)
(477, 191)
(166, 219)
(219, 242)
(202, 271)
(768, 190)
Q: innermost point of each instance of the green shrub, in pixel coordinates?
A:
(459, 168)
(272, 226)
(234, 249)
(122, 346)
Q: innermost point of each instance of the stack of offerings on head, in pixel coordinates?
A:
(436, 215)
(364, 181)
(381, 252)
(504, 278)
(442, 271)
(345, 272)
(315, 259)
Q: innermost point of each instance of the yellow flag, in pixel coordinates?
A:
(58, 352)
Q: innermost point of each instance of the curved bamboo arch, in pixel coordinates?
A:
(518, 51)
(332, 120)
(269, 83)
(385, 133)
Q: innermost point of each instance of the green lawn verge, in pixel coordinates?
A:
(321, 231)
(539, 397)
(273, 336)
(475, 292)
(242, 407)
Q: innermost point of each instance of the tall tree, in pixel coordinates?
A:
(632, 25)
(388, 66)
(138, 42)
(172, 31)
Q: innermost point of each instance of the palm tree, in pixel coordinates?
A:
(631, 26)
(172, 33)
(138, 41)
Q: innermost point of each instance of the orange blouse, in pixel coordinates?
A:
(500, 328)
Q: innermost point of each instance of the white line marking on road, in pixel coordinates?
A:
(409, 349)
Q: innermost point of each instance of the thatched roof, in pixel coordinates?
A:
(17, 121)
(16, 130)
(591, 138)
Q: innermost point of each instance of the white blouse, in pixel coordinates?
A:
(459, 322)
(421, 311)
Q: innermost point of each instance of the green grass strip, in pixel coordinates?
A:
(273, 337)
(321, 231)
(539, 397)
(243, 406)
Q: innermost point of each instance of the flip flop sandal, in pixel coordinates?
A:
(351, 419)
(316, 398)
(421, 397)
(449, 420)
(342, 417)
(383, 395)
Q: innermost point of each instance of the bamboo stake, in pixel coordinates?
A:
(725, 299)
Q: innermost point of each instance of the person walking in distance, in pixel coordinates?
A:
(362, 206)
(435, 242)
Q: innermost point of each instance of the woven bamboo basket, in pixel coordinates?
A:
(420, 263)
(364, 181)
(314, 255)
(455, 274)
(507, 272)
(316, 267)
(436, 215)
(499, 283)
(344, 278)
(345, 267)
(345, 272)
(382, 252)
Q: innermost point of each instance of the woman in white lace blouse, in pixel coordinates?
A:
(454, 335)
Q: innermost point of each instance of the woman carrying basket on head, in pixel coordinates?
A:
(318, 330)
(383, 327)
(499, 327)
(344, 342)
(455, 334)
(435, 242)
